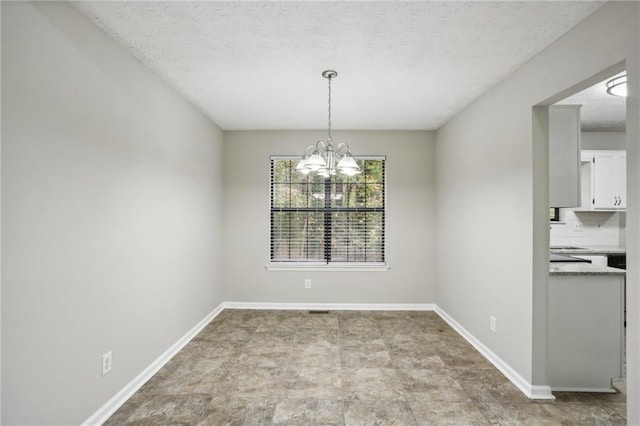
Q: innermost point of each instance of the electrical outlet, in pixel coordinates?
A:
(307, 283)
(106, 363)
(492, 323)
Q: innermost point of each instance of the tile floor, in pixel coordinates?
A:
(251, 367)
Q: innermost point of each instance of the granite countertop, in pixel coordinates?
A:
(588, 250)
(561, 268)
(572, 268)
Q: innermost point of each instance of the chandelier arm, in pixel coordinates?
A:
(343, 148)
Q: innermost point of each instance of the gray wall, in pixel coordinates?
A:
(603, 140)
(410, 229)
(111, 217)
(492, 188)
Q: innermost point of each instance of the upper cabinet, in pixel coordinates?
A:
(564, 155)
(604, 180)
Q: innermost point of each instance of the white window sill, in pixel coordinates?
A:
(320, 267)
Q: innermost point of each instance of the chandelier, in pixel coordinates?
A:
(322, 158)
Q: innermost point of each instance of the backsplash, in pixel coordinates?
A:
(588, 228)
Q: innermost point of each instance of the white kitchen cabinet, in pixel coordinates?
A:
(564, 155)
(604, 175)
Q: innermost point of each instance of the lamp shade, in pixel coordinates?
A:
(347, 162)
(315, 162)
(302, 165)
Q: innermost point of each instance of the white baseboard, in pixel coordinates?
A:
(110, 407)
(578, 389)
(531, 391)
(333, 306)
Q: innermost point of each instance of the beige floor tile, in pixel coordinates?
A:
(372, 384)
(302, 382)
(308, 412)
(448, 414)
(388, 413)
(425, 386)
(315, 356)
(171, 409)
(526, 414)
(255, 382)
(369, 356)
(225, 410)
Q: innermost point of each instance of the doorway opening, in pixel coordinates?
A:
(578, 225)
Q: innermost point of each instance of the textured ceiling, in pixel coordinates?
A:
(600, 112)
(401, 65)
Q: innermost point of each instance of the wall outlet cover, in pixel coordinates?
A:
(106, 363)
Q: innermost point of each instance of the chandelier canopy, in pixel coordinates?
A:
(322, 158)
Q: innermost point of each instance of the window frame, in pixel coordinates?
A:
(312, 265)
(555, 218)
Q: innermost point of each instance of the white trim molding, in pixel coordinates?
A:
(323, 267)
(110, 407)
(531, 391)
(577, 389)
(333, 306)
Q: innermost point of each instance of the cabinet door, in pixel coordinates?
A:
(604, 180)
(564, 155)
(620, 165)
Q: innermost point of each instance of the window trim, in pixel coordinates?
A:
(315, 266)
(324, 267)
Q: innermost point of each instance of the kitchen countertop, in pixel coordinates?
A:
(588, 250)
(561, 268)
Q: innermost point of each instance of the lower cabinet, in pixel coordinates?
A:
(585, 344)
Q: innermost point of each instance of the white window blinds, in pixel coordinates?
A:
(335, 220)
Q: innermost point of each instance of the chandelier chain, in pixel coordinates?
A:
(329, 115)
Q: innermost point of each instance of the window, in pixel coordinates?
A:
(340, 220)
(554, 214)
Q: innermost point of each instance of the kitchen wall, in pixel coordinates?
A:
(111, 217)
(603, 140)
(492, 179)
(588, 229)
(410, 228)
